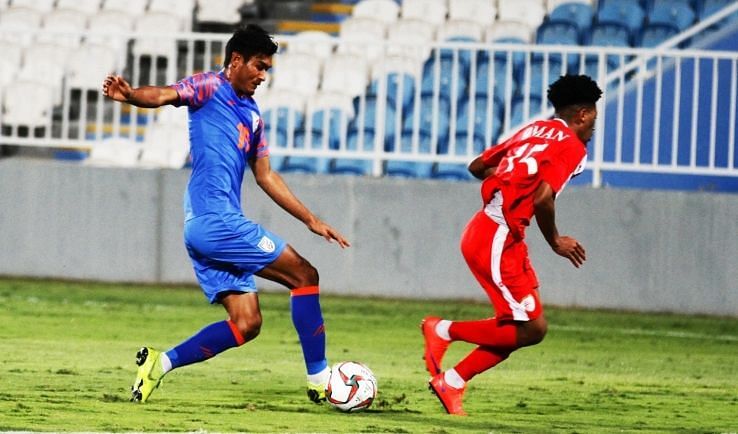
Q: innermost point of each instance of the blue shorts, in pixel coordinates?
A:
(226, 251)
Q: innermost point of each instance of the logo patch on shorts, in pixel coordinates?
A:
(266, 245)
(528, 303)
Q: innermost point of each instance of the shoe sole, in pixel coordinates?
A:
(141, 356)
(427, 355)
(433, 390)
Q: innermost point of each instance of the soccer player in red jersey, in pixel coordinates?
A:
(521, 179)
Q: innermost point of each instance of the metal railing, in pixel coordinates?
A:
(664, 110)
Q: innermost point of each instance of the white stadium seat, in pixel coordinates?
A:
(87, 7)
(411, 38)
(468, 30)
(173, 116)
(219, 11)
(483, 12)
(42, 6)
(315, 42)
(12, 52)
(110, 22)
(531, 12)
(64, 26)
(130, 7)
(165, 146)
(88, 65)
(345, 73)
(387, 11)
(8, 72)
(362, 36)
(433, 11)
(157, 23)
(297, 72)
(183, 9)
(509, 30)
(17, 22)
(45, 63)
(27, 103)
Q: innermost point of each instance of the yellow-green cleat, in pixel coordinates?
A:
(316, 392)
(149, 374)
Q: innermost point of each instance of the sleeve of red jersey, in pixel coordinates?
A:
(557, 167)
(491, 157)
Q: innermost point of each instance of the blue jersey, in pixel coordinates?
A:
(225, 133)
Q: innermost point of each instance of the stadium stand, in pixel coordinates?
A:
(422, 85)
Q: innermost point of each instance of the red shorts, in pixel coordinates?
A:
(501, 265)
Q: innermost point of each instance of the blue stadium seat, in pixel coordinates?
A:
(400, 88)
(667, 14)
(369, 120)
(576, 13)
(709, 7)
(282, 119)
(626, 13)
(446, 75)
(517, 116)
(540, 79)
(499, 68)
(654, 34)
(428, 119)
(606, 35)
(558, 33)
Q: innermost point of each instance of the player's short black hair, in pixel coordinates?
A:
(573, 90)
(249, 41)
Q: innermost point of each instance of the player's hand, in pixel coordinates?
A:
(570, 248)
(326, 231)
(116, 88)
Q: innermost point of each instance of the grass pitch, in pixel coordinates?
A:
(67, 362)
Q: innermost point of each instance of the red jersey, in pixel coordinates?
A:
(546, 150)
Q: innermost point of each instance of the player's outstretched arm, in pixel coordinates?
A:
(275, 187)
(117, 88)
(545, 212)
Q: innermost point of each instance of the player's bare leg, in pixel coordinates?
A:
(297, 274)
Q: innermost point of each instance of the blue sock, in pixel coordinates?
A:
(308, 321)
(206, 343)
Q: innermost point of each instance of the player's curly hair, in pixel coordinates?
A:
(573, 90)
(249, 41)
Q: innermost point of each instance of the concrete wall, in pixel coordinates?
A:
(647, 250)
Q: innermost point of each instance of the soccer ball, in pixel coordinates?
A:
(351, 387)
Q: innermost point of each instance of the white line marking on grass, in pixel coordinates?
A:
(637, 332)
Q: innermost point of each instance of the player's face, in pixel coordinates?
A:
(246, 76)
(588, 117)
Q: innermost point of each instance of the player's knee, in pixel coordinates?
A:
(307, 275)
(249, 327)
(538, 331)
(533, 332)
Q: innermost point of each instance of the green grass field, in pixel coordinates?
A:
(67, 362)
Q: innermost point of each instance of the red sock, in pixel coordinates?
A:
(485, 332)
(479, 360)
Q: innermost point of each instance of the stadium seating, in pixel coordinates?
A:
(42, 6)
(28, 103)
(313, 42)
(64, 26)
(387, 11)
(218, 11)
(362, 36)
(530, 12)
(182, 9)
(482, 12)
(130, 7)
(432, 11)
(88, 64)
(87, 7)
(297, 72)
(345, 73)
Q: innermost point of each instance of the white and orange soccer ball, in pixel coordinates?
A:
(351, 387)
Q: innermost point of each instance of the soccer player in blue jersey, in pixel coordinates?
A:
(227, 249)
